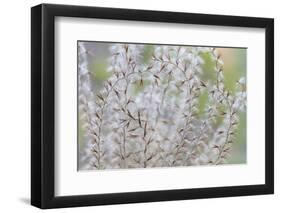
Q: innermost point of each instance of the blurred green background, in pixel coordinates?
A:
(235, 67)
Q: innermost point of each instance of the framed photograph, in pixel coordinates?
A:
(139, 106)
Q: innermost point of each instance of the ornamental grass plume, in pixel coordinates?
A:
(147, 113)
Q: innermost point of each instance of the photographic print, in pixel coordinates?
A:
(153, 105)
(192, 97)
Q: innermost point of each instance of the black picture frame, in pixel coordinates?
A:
(43, 105)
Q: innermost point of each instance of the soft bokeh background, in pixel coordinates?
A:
(235, 64)
(235, 67)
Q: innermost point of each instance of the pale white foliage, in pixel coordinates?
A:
(146, 114)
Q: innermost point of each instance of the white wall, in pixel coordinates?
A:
(15, 105)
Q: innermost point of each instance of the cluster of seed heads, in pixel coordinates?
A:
(146, 114)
